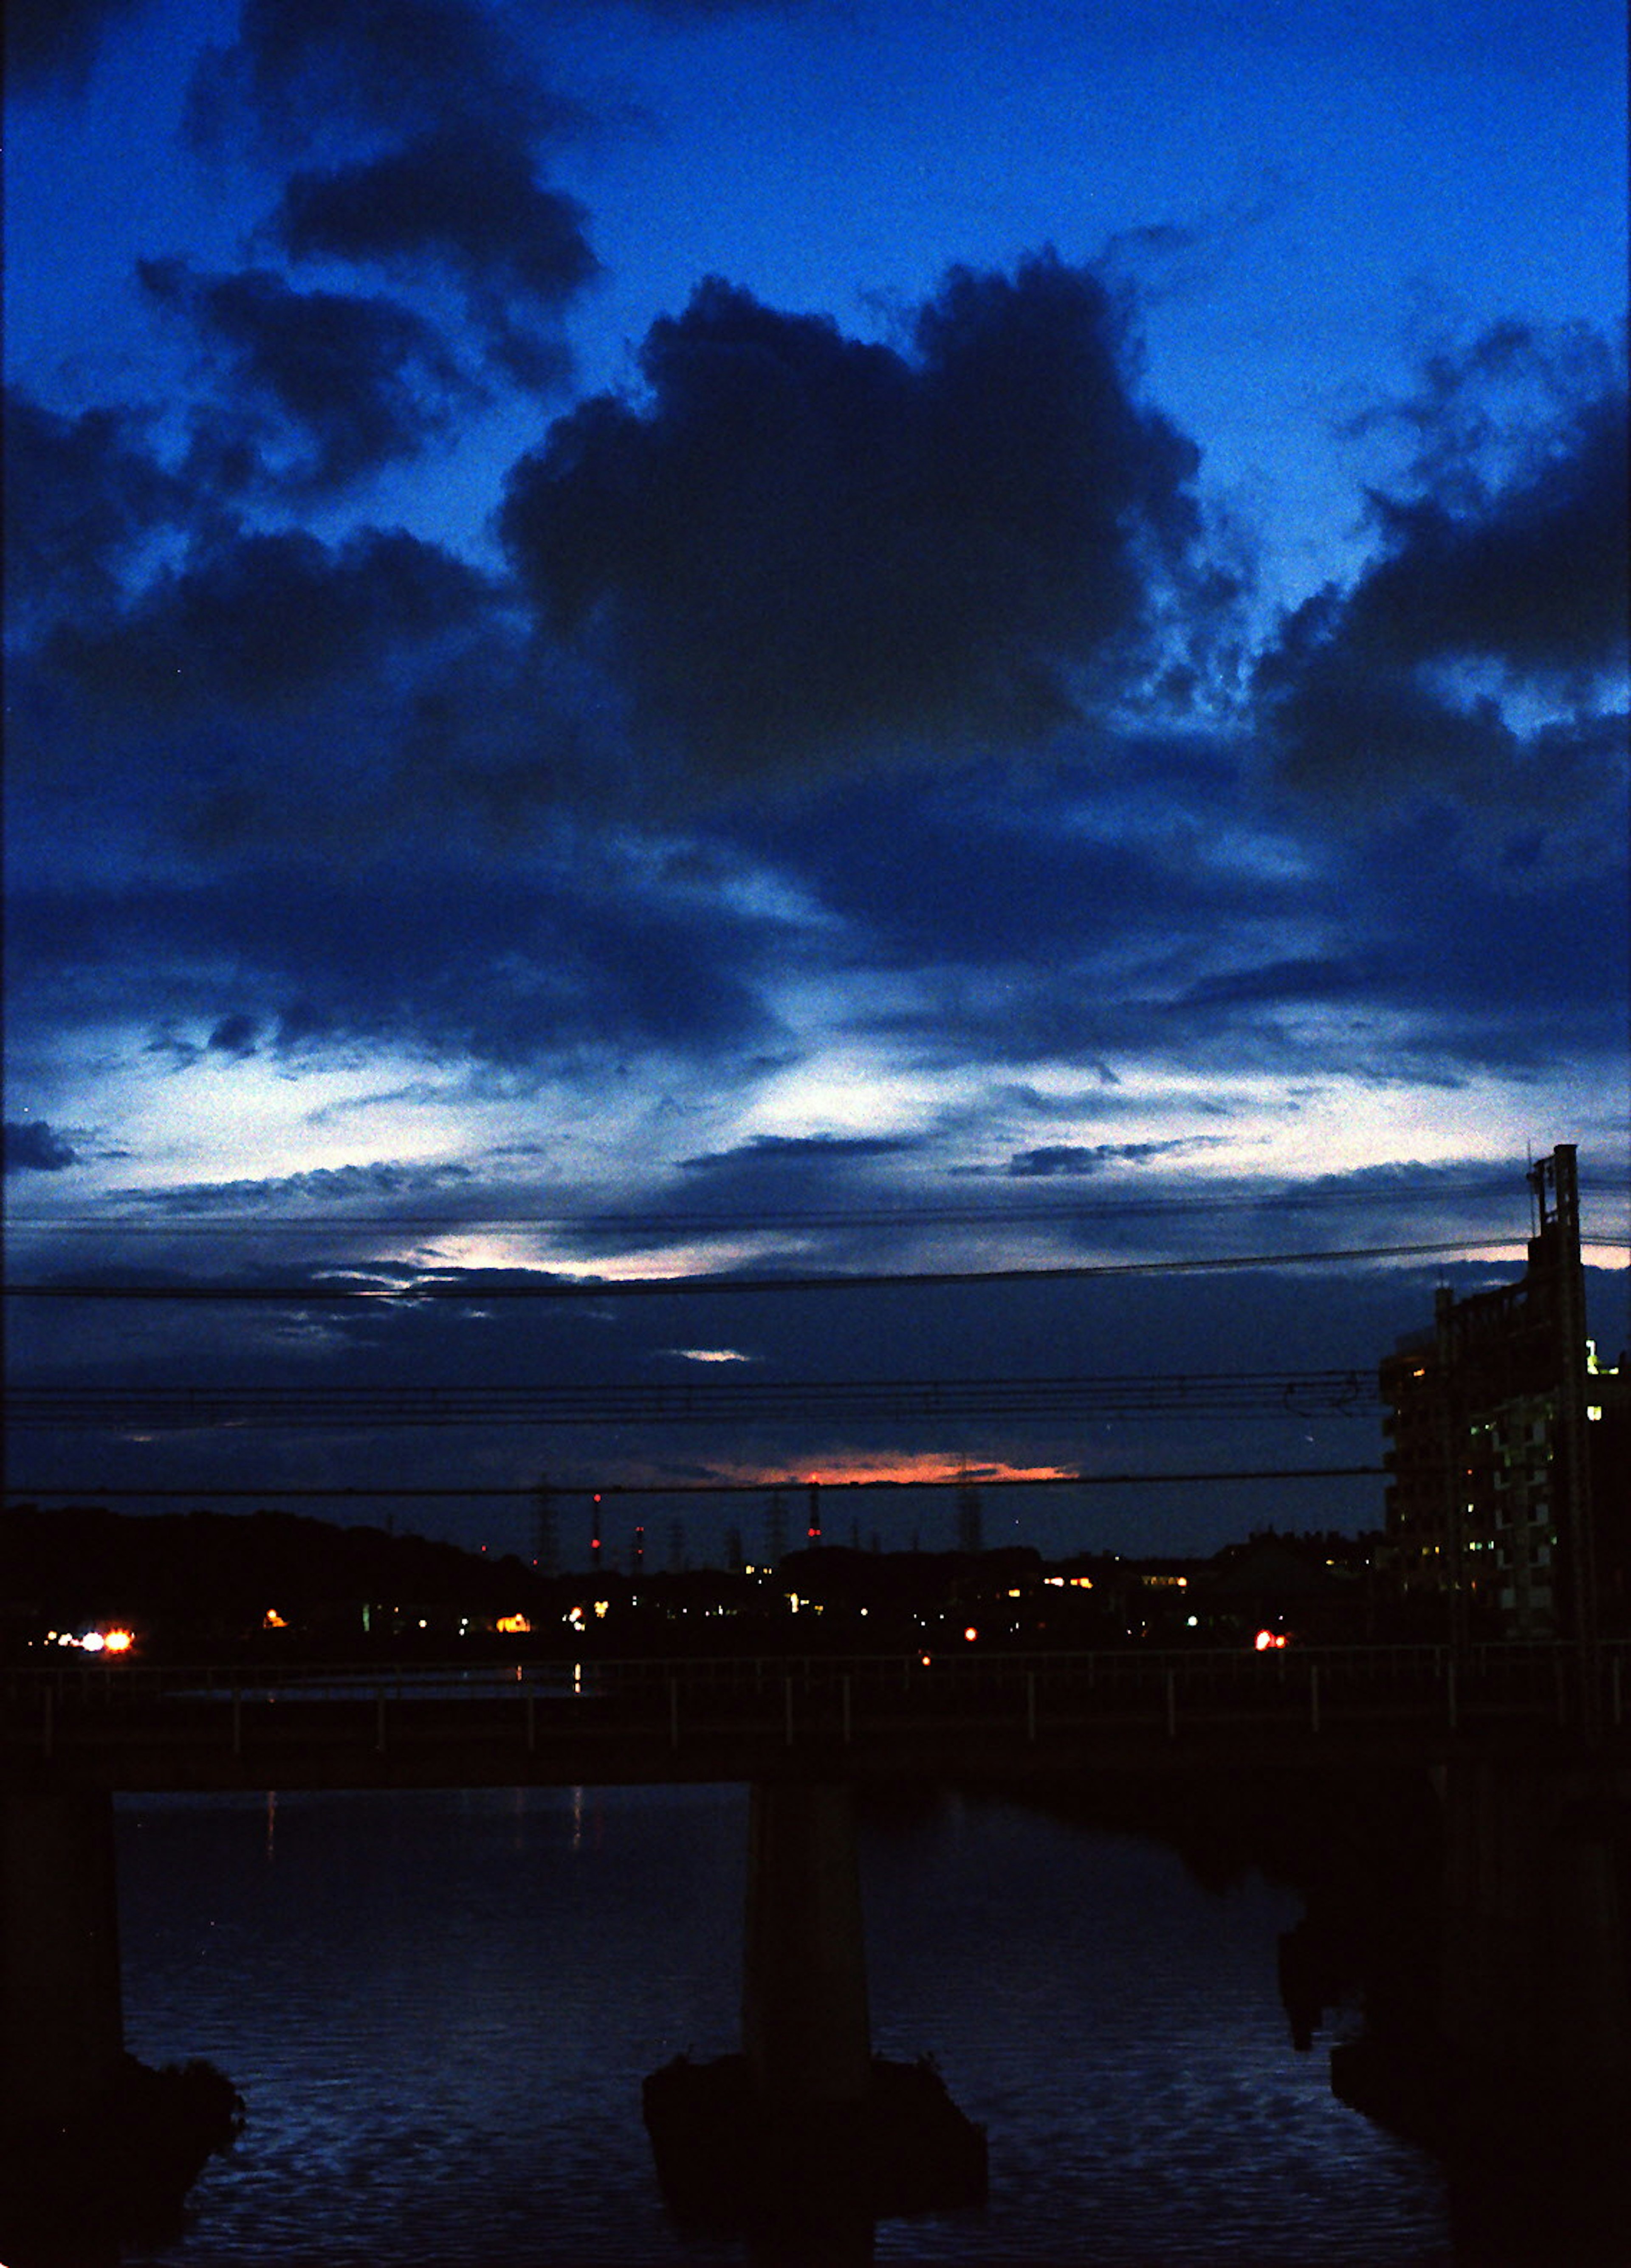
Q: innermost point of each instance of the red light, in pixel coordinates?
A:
(971, 1633)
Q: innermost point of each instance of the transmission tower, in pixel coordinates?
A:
(546, 1540)
(970, 1516)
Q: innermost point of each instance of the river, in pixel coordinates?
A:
(438, 2008)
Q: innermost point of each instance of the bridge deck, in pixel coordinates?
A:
(129, 1728)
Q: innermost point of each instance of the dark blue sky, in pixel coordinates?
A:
(656, 638)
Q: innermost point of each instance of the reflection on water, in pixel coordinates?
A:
(439, 2009)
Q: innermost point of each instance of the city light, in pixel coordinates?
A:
(117, 1640)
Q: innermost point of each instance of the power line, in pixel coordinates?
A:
(1211, 1395)
(683, 1286)
(1016, 1211)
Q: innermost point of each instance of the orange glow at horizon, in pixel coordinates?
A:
(881, 1472)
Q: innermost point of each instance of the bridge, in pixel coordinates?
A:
(1528, 1745)
(122, 1726)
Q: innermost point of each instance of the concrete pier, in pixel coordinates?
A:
(61, 2027)
(1535, 1977)
(805, 2033)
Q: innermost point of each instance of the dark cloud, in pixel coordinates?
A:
(771, 1182)
(351, 384)
(56, 41)
(769, 1157)
(1477, 965)
(457, 189)
(303, 70)
(521, 966)
(373, 698)
(971, 865)
(805, 545)
(1070, 1158)
(83, 494)
(1533, 576)
(235, 1035)
(33, 1146)
(467, 202)
(382, 1180)
(1504, 568)
(1308, 978)
(270, 620)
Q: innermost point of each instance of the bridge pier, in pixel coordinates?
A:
(805, 2027)
(805, 2138)
(1536, 1976)
(1498, 2018)
(62, 2032)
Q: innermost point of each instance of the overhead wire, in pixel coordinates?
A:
(1210, 1395)
(201, 1215)
(602, 1288)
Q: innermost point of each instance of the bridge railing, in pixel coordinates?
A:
(1324, 1687)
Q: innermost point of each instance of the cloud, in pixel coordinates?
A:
(302, 71)
(235, 1035)
(801, 546)
(770, 1184)
(1502, 580)
(56, 41)
(33, 1146)
(320, 1187)
(525, 967)
(771, 1162)
(470, 202)
(1533, 575)
(269, 692)
(346, 384)
(269, 621)
(1309, 977)
(460, 108)
(1071, 1158)
(83, 494)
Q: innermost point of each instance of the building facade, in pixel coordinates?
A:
(1492, 1469)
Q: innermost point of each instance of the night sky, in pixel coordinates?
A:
(776, 640)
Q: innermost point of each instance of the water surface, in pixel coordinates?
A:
(439, 2008)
